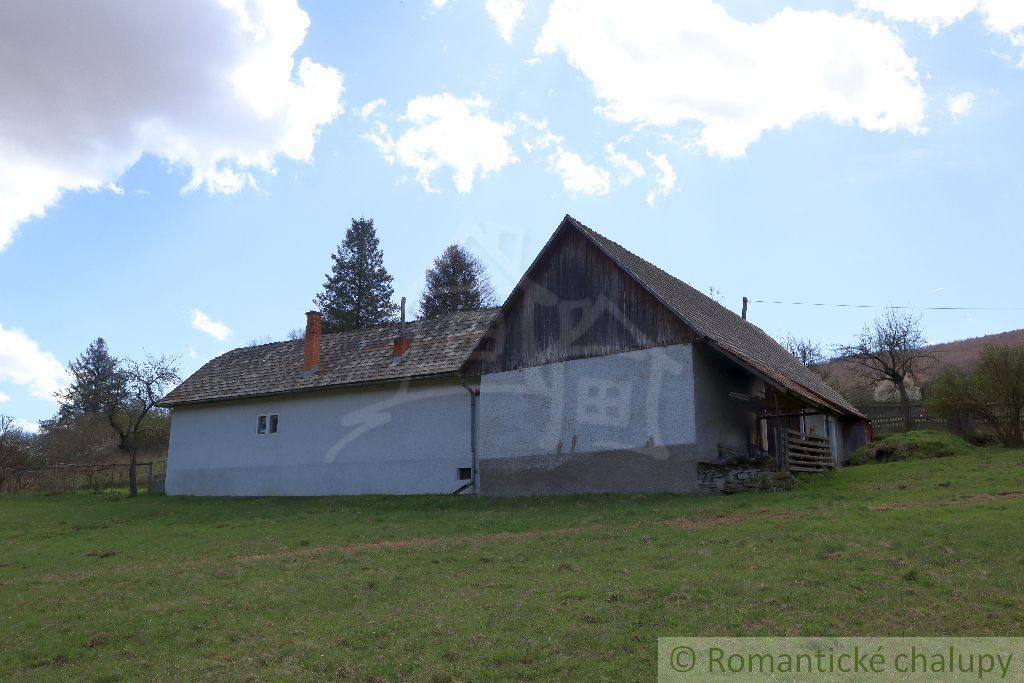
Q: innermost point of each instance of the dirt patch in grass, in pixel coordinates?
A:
(688, 523)
(694, 523)
(427, 542)
(966, 500)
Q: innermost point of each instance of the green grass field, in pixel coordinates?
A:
(103, 587)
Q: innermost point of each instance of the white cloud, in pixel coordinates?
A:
(579, 177)
(1005, 17)
(627, 167)
(662, 62)
(202, 322)
(934, 14)
(367, 110)
(209, 86)
(380, 136)
(506, 14)
(23, 362)
(666, 178)
(960, 105)
(4, 398)
(26, 425)
(536, 134)
(447, 131)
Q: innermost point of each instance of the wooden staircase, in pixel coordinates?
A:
(806, 452)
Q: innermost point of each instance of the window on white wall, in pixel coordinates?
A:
(267, 424)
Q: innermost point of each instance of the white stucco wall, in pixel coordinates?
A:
(622, 401)
(387, 439)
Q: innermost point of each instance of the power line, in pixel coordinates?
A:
(916, 308)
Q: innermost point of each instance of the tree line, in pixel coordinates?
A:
(893, 351)
(110, 404)
(358, 292)
(108, 407)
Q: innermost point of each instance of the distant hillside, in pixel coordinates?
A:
(961, 353)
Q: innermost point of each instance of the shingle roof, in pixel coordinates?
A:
(740, 338)
(438, 348)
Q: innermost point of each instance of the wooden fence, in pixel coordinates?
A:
(888, 418)
(67, 478)
(806, 452)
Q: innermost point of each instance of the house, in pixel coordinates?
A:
(600, 373)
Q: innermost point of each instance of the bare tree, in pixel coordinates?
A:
(85, 438)
(145, 384)
(808, 352)
(892, 348)
(15, 448)
(260, 341)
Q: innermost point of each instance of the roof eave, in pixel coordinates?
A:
(824, 402)
(307, 390)
(821, 402)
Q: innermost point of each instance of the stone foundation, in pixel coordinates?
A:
(733, 478)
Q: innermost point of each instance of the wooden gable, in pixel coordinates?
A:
(574, 302)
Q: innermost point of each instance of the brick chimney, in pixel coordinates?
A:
(311, 348)
(402, 343)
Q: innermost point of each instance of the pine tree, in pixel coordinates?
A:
(456, 282)
(97, 383)
(358, 290)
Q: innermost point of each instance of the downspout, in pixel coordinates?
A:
(473, 393)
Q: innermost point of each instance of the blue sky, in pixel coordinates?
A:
(184, 195)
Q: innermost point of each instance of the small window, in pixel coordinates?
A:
(465, 473)
(266, 424)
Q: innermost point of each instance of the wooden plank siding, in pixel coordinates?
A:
(574, 302)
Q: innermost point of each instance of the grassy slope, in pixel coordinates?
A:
(102, 587)
(916, 444)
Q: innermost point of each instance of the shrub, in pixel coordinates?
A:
(911, 445)
(16, 451)
(992, 390)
